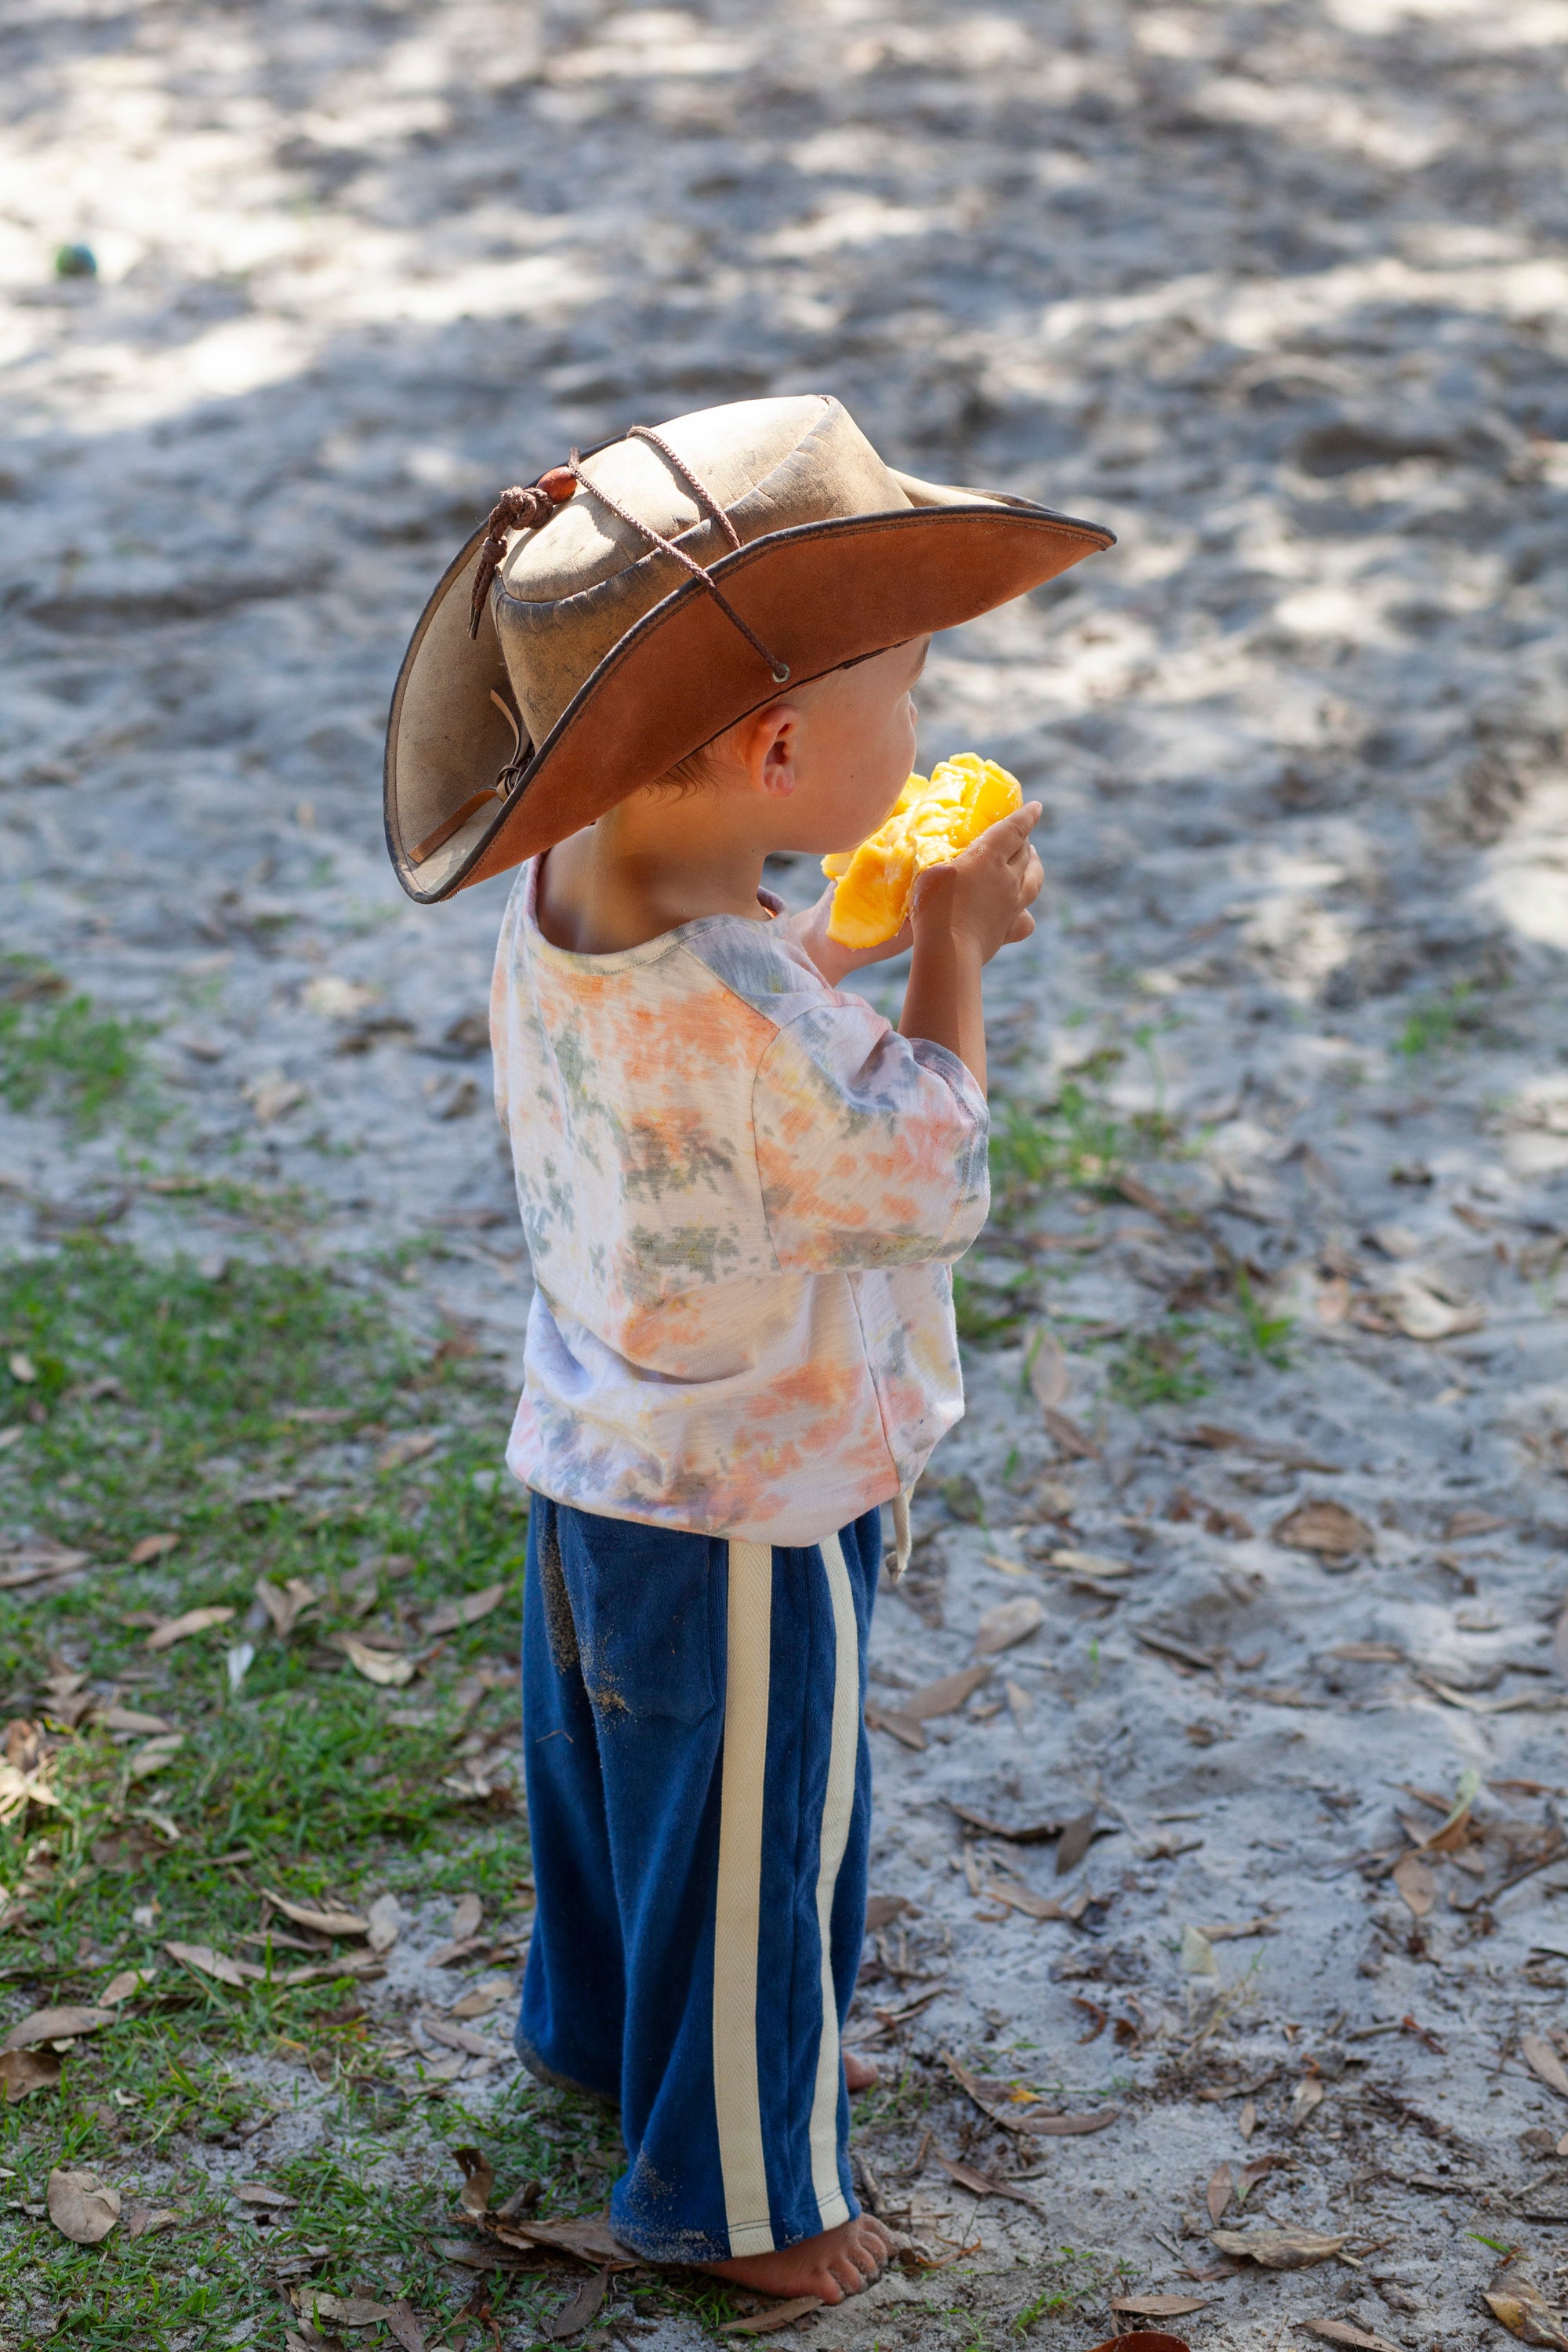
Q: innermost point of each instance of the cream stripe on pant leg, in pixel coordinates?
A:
(736, 2097)
(838, 1804)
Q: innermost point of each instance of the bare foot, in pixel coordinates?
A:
(839, 2263)
(861, 2074)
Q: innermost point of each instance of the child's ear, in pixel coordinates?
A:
(772, 743)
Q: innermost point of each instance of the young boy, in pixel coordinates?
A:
(742, 1192)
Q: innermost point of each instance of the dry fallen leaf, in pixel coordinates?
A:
(389, 1668)
(1069, 1436)
(1222, 2181)
(208, 1963)
(257, 2192)
(385, 1921)
(587, 2236)
(1197, 1953)
(22, 2071)
(482, 1998)
(1340, 2331)
(1523, 2310)
(179, 1629)
(1308, 2094)
(404, 2323)
(285, 1604)
(398, 1451)
(455, 2037)
(1417, 1886)
(469, 1910)
(151, 1548)
(56, 2025)
(1247, 2122)
(1008, 1622)
(479, 2179)
(151, 2221)
(984, 2184)
(1542, 2060)
(1277, 2250)
(312, 2303)
(882, 1910)
(323, 1919)
(1157, 2306)
(1077, 1836)
(1089, 1563)
(1421, 1313)
(1326, 1529)
(81, 2207)
(122, 1987)
(777, 2314)
(580, 2313)
(1049, 1378)
(467, 1609)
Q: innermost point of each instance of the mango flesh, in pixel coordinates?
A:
(933, 819)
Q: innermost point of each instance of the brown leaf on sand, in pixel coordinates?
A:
(946, 1697)
(180, 1629)
(466, 1916)
(1251, 2174)
(120, 1988)
(1217, 2196)
(151, 1548)
(1326, 1529)
(1157, 2306)
(1073, 1439)
(1049, 1378)
(1077, 1836)
(1028, 1833)
(398, 1451)
(1023, 2116)
(1097, 1566)
(22, 2071)
(325, 1918)
(580, 2313)
(1417, 1887)
(386, 1922)
(1247, 2122)
(1542, 2060)
(882, 1910)
(1308, 2094)
(389, 1668)
(81, 2207)
(588, 2236)
(901, 1726)
(286, 1603)
(56, 2025)
(1523, 2310)
(479, 2179)
(778, 2315)
(1277, 2250)
(257, 2192)
(404, 2324)
(151, 2221)
(1421, 1313)
(466, 1609)
(1340, 2331)
(208, 1963)
(1008, 1622)
(985, 2184)
(314, 2303)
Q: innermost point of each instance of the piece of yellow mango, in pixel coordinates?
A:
(933, 819)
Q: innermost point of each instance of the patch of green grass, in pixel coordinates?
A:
(1074, 1143)
(1263, 1334)
(59, 1047)
(988, 1311)
(1158, 1368)
(1438, 1021)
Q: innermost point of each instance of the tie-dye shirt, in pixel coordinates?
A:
(742, 1192)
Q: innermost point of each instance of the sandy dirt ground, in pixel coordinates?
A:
(1280, 292)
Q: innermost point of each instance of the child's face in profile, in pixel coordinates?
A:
(829, 779)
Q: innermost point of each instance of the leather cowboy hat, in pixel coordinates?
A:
(620, 612)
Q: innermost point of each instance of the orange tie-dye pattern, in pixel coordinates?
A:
(742, 1192)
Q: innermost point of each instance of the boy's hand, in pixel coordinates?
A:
(982, 898)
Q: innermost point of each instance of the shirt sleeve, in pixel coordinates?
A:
(871, 1146)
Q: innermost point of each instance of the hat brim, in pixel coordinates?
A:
(818, 595)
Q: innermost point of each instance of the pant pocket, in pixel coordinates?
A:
(648, 1609)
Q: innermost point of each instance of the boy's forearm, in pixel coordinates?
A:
(944, 1002)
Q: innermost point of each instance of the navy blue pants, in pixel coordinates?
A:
(699, 1798)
